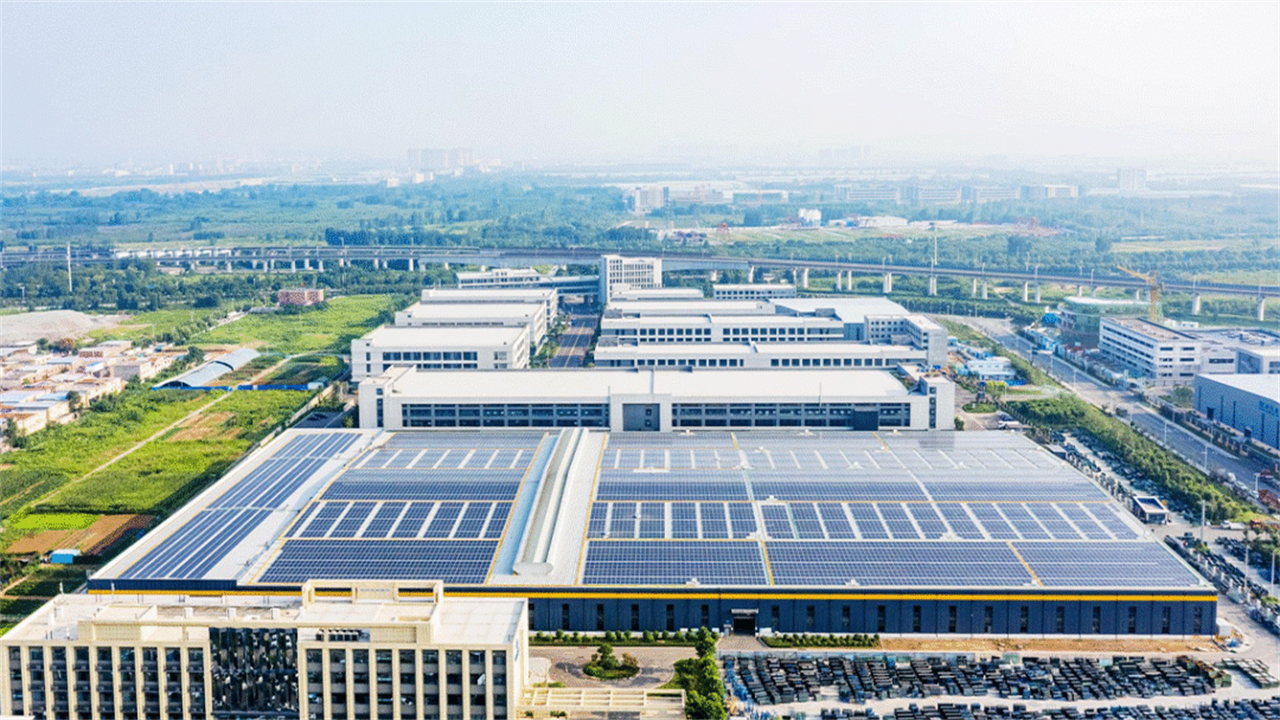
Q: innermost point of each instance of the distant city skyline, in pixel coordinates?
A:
(105, 83)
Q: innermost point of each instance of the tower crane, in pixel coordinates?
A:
(1154, 286)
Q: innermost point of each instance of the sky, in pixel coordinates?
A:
(108, 82)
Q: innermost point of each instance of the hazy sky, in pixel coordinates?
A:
(104, 82)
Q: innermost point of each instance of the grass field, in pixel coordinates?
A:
(306, 369)
(151, 324)
(330, 329)
(160, 473)
(46, 581)
(50, 521)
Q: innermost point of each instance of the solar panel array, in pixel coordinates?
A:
(854, 509)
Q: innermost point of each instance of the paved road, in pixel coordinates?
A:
(575, 341)
(1199, 452)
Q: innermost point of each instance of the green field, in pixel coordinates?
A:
(163, 472)
(329, 329)
(24, 523)
(46, 581)
(155, 323)
(306, 369)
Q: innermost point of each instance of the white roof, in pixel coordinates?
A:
(460, 295)
(1265, 386)
(436, 337)
(643, 308)
(753, 286)
(806, 349)
(597, 384)
(459, 311)
(849, 310)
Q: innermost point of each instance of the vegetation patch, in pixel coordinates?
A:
(306, 369)
(616, 638)
(36, 522)
(805, 640)
(700, 679)
(605, 665)
(49, 581)
(330, 328)
(208, 425)
(976, 407)
(18, 608)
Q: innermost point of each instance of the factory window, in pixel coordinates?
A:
(1166, 620)
(917, 619)
(1024, 619)
(1198, 619)
(881, 618)
(599, 616)
(1060, 619)
(706, 616)
(844, 617)
(1095, 625)
(952, 618)
(635, 617)
(671, 617)
(1133, 619)
(988, 619)
(564, 616)
(809, 617)
(533, 615)
(775, 616)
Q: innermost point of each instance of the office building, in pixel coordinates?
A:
(662, 293)
(531, 316)
(1162, 355)
(1082, 317)
(440, 348)
(547, 298)
(1258, 360)
(753, 291)
(1248, 403)
(656, 400)
(338, 649)
(792, 530)
(507, 278)
(624, 274)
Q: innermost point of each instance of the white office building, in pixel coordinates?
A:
(548, 298)
(662, 293)
(1161, 354)
(624, 274)
(529, 315)
(657, 400)
(753, 291)
(440, 348)
(500, 278)
(342, 649)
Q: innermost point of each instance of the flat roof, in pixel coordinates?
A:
(1148, 328)
(702, 306)
(1104, 302)
(597, 384)
(451, 311)
(444, 336)
(1264, 386)
(753, 286)
(723, 319)
(484, 294)
(772, 511)
(849, 310)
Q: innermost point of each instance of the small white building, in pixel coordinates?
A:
(991, 368)
(437, 348)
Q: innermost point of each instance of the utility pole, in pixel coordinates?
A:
(70, 290)
(1201, 521)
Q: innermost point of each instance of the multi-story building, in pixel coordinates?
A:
(1082, 317)
(662, 293)
(753, 291)
(527, 315)
(1049, 192)
(300, 296)
(854, 193)
(757, 356)
(1132, 181)
(1248, 403)
(548, 298)
(439, 348)
(656, 400)
(507, 278)
(340, 649)
(1258, 360)
(1164, 355)
(621, 274)
(986, 193)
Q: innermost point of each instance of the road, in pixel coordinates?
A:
(1195, 450)
(575, 341)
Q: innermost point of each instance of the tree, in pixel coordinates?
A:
(74, 400)
(996, 389)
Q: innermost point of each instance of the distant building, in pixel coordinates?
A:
(809, 218)
(625, 274)
(440, 159)
(984, 194)
(440, 348)
(991, 368)
(1082, 317)
(753, 291)
(873, 221)
(1248, 403)
(1258, 361)
(300, 296)
(930, 195)
(507, 278)
(854, 193)
(662, 293)
(1132, 181)
(1049, 192)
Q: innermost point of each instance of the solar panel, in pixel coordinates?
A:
(684, 521)
(472, 522)
(1023, 522)
(925, 564)
(714, 522)
(960, 522)
(742, 520)
(836, 522)
(383, 520)
(421, 490)
(1105, 564)
(655, 489)
(411, 524)
(1083, 521)
(672, 562)
(928, 520)
(1053, 521)
(497, 520)
(806, 520)
(1108, 515)
(777, 524)
(353, 520)
(443, 521)
(868, 521)
(622, 520)
(834, 490)
(598, 520)
(453, 561)
(895, 517)
(993, 522)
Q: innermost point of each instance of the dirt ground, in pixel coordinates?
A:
(206, 426)
(90, 541)
(1024, 645)
(53, 324)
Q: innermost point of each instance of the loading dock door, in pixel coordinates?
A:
(866, 419)
(744, 621)
(638, 416)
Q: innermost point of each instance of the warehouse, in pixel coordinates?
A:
(548, 298)
(439, 348)
(752, 291)
(531, 316)
(793, 531)
(1248, 403)
(656, 399)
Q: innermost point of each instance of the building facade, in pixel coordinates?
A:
(530, 316)
(340, 649)
(440, 348)
(753, 291)
(1162, 355)
(757, 356)
(621, 274)
(1248, 403)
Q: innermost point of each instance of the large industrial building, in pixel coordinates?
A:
(1162, 355)
(752, 291)
(1248, 403)
(656, 399)
(788, 320)
(337, 649)
(794, 530)
(547, 298)
(757, 355)
(530, 315)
